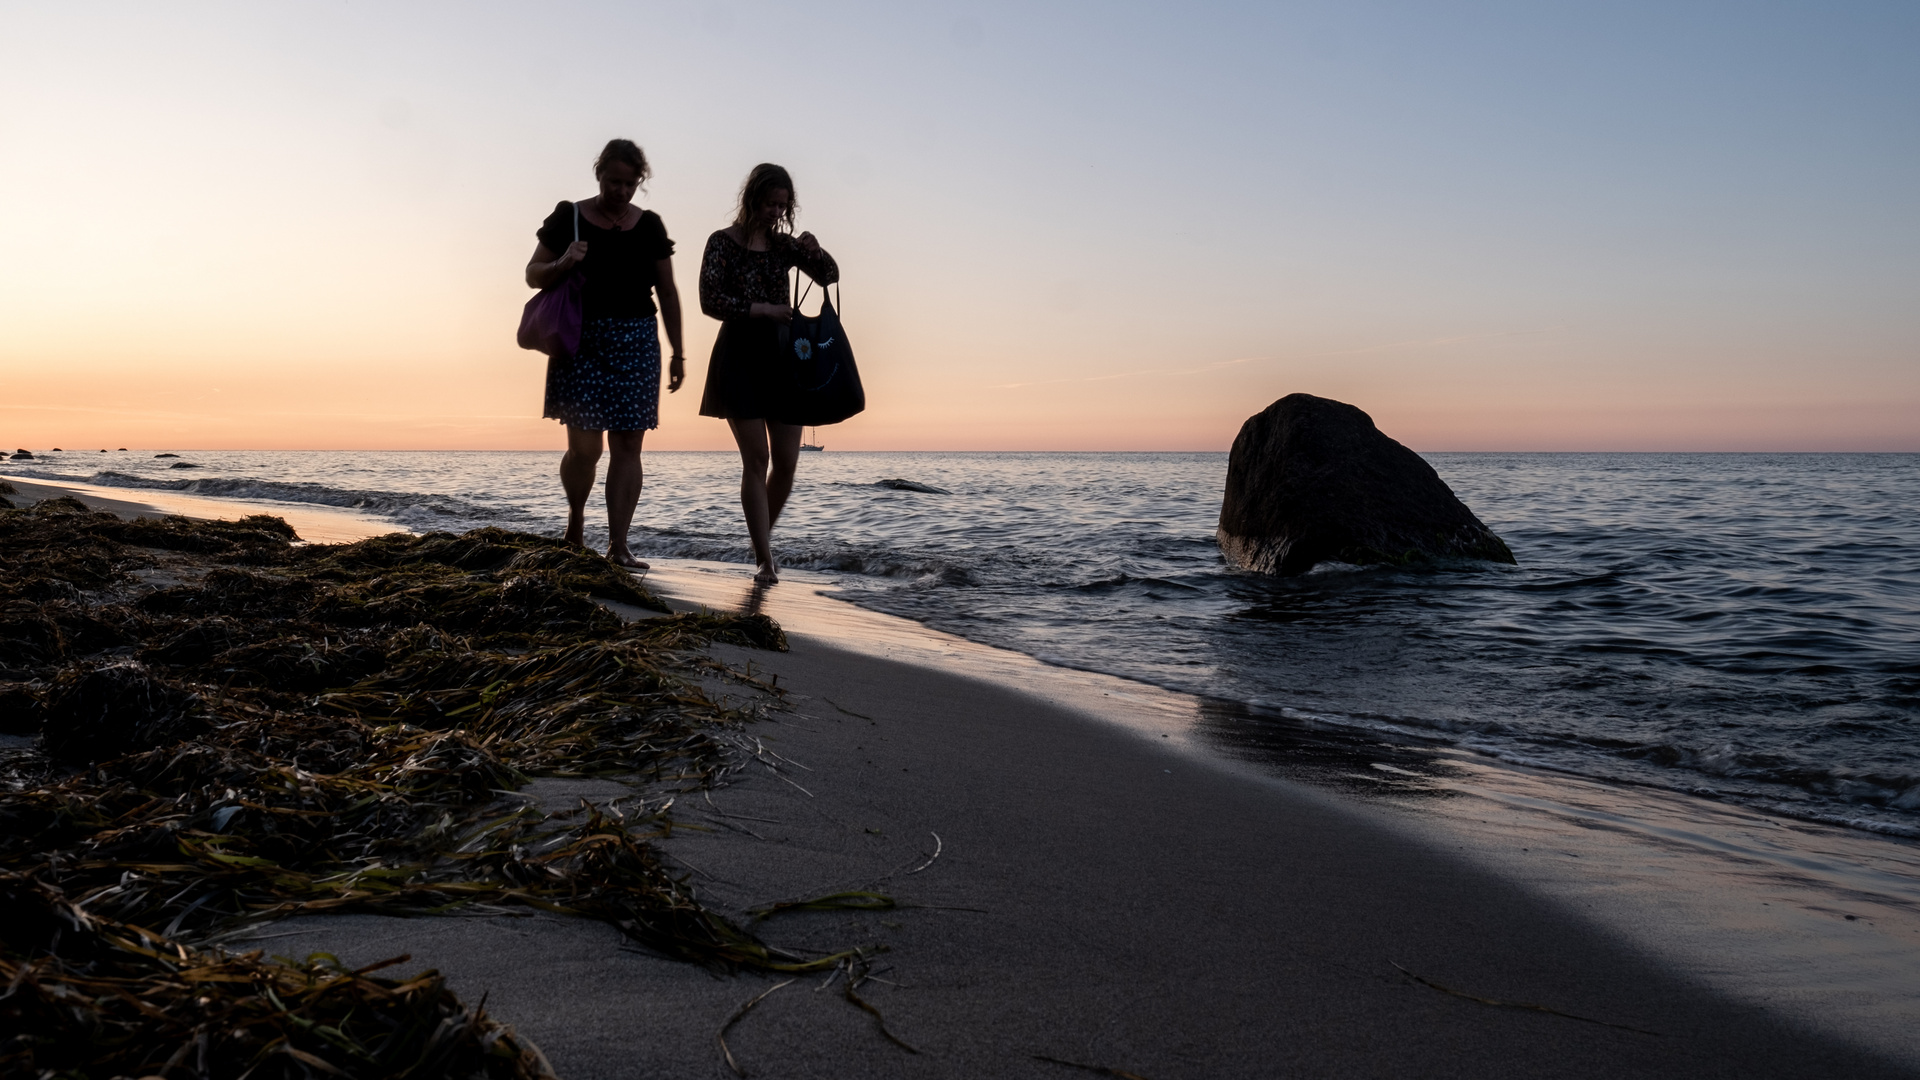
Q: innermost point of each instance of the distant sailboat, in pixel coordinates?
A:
(812, 445)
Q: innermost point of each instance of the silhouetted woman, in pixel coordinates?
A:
(743, 283)
(612, 384)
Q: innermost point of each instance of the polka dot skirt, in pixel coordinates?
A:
(613, 382)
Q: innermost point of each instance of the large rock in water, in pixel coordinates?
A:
(1312, 480)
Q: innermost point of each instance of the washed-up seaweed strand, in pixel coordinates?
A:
(857, 967)
(1101, 1069)
(725, 1051)
(1516, 1004)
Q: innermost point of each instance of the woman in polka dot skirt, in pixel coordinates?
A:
(612, 384)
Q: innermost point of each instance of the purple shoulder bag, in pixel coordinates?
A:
(550, 323)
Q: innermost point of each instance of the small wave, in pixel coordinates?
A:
(1124, 580)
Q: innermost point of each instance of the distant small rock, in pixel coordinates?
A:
(183, 465)
(157, 457)
(123, 450)
(1311, 480)
(23, 455)
(57, 450)
(909, 485)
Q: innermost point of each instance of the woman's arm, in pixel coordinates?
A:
(545, 267)
(670, 315)
(813, 260)
(718, 297)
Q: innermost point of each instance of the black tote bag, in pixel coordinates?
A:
(823, 384)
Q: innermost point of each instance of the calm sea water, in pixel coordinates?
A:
(1743, 626)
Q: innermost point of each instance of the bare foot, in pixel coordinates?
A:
(766, 576)
(626, 559)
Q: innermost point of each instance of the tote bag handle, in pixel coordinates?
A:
(803, 291)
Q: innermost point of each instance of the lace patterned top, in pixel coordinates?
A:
(733, 279)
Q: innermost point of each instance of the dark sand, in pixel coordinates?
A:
(1127, 907)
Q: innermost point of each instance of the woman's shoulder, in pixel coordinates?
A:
(725, 242)
(557, 229)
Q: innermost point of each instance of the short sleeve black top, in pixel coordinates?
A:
(622, 265)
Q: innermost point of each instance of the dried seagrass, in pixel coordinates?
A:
(235, 727)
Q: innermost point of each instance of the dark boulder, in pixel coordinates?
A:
(1311, 480)
(94, 714)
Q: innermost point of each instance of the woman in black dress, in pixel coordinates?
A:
(743, 283)
(612, 384)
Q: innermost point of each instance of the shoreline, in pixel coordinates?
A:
(315, 524)
(1681, 879)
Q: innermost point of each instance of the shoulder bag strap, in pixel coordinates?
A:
(800, 294)
(576, 223)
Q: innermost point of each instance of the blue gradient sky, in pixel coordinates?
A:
(1112, 226)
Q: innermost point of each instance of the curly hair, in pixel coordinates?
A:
(623, 152)
(761, 182)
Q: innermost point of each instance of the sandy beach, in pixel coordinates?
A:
(1076, 883)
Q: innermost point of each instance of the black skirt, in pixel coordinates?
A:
(744, 378)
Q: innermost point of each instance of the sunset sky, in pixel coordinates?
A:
(1092, 226)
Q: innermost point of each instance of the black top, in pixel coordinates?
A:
(621, 264)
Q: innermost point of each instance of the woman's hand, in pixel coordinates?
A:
(807, 243)
(544, 268)
(676, 373)
(777, 312)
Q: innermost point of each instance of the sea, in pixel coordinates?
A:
(1739, 627)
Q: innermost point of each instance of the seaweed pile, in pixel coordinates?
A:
(236, 727)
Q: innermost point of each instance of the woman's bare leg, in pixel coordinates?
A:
(755, 455)
(576, 478)
(784, 443)
(625, 477)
